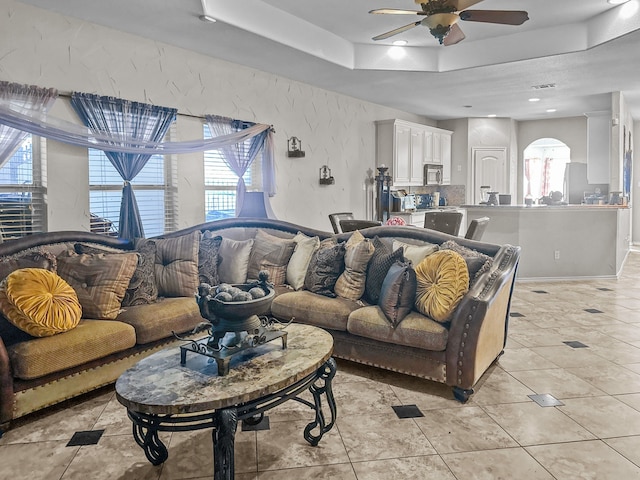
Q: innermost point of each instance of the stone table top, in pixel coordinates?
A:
(158, 384)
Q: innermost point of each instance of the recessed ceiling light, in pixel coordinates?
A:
(400, 43)
(534, 99)
(551, 110)
(397, 53)
(617, 2)
(207, 18)
(493, 115)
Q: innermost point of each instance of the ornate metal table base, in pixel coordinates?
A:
(224, 421)
(211, 346)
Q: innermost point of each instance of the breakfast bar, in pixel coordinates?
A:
(560, 241)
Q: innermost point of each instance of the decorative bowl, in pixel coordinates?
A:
(214, 309)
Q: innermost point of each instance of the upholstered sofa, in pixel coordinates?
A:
(36, 372)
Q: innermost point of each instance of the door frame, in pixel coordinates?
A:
(472, 182)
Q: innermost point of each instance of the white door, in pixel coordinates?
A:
(490, 168)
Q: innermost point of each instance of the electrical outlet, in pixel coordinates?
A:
(459, 168)
(556, 255)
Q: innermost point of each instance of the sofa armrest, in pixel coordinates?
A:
(478, 330)
(6, 388)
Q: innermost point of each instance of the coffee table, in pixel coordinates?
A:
(160, 394)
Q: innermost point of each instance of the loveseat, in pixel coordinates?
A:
(159, 300)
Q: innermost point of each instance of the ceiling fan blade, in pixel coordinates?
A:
(506, 17)
(396, 11)
(454, 36)
(463, 4)
(397, 31)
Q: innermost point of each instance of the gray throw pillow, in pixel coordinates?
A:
(234, 260)
(398, 293)
(299, 261)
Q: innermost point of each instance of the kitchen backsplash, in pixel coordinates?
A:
(455, 194)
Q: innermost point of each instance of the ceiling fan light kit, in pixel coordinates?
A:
(440, 24)
(441, 17)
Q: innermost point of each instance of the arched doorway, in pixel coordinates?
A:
(544, 164)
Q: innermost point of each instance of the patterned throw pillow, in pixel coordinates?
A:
(268, 248)
(142, 288)
(299, 261)
(324, 269)
(477, 263)
(234, 260)
(351, 283)
(379, 265)
(35, 258)
(208, 258)
(443, 279)
(398, 293)
(100, 280)
(176, 265)
(39, 302)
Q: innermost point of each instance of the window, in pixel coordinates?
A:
(22, 191)
(220, 182)
(154, 187)
(544, 166)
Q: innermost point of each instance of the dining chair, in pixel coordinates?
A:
(353, 225)
(476, 229)
(335, 218)
(443, 221)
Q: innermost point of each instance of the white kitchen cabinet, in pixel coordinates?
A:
(441, 153)
(428, 146)
(400, 169)
(417, 155)
(436, 155)
(406, 146)
(445, 155)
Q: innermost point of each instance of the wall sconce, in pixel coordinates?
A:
(294, 148)
(325, 176)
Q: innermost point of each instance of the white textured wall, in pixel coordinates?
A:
(50, 50)
(459, 150)
(572, 131)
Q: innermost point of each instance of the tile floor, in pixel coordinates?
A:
(501, 433)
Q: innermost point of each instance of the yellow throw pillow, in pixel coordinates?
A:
(39, 302)
(443, 279)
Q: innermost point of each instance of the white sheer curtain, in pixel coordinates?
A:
(27, 98)
(67, 132)
(240, 156)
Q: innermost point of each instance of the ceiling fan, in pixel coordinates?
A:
(442, 16)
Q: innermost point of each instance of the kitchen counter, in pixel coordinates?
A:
(560, 241)
(534, 207)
